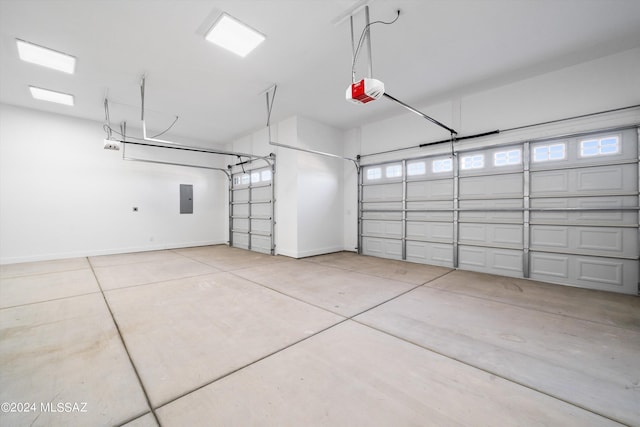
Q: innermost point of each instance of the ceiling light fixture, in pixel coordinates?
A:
(51, 96)
(46, 57)
(233, 35)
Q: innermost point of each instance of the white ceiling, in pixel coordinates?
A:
(437, 49)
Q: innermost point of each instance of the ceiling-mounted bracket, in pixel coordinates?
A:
(355, 49)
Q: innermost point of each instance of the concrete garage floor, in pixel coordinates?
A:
(217, 336)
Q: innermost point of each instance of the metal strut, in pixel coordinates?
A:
(158, 162)
(162, 143)
(290, 147)
(421, 114)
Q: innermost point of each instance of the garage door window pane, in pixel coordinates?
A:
(255, 177)
(245, 179)
(505, 158)
(442, 165)
(472, 162)
(589, 148)
(265, 175)
(374, 173)
(609, 145)
(417, 168)
(545, 153)
(393, 171)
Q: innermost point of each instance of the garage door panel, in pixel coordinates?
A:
(597, 217)
(605, 178)
(241, 240)
(382, 248)
(430, 190)
(261, 193)
(430, 231)
(261, 209)
(241, 195)
(382, 215)
(604, 241)
(491, 187)
(392, 229)
(555, 266)
(615, 240)
(491, 216)
(260, 244)
(430, 253)
(545, 183)
(241, 224)
(505, 262)
(434, 215)
(240, 209)
(608, 274)
(501, 235)
(600, 271)
(382, 192)
(600, 180)
(261, 225)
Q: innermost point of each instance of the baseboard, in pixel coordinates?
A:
(311, 252)
(111, 251)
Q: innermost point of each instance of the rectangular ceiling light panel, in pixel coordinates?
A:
(51, 96)
(233, 35)
(39, 55)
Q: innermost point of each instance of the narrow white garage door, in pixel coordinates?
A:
(562, 210)
(251, 210)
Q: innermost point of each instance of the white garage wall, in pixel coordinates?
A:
(309, 188)
(320, 189)
(602, 84)
(62, 195)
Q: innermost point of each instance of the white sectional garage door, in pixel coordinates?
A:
(251, 213)
(561, 210)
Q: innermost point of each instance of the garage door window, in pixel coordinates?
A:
(546, 153)
(374, 173)
(599, 147)
(472, 162)
(506, 158)
(416, 168)
(241, 179)
(393, 171)
(442, 165)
